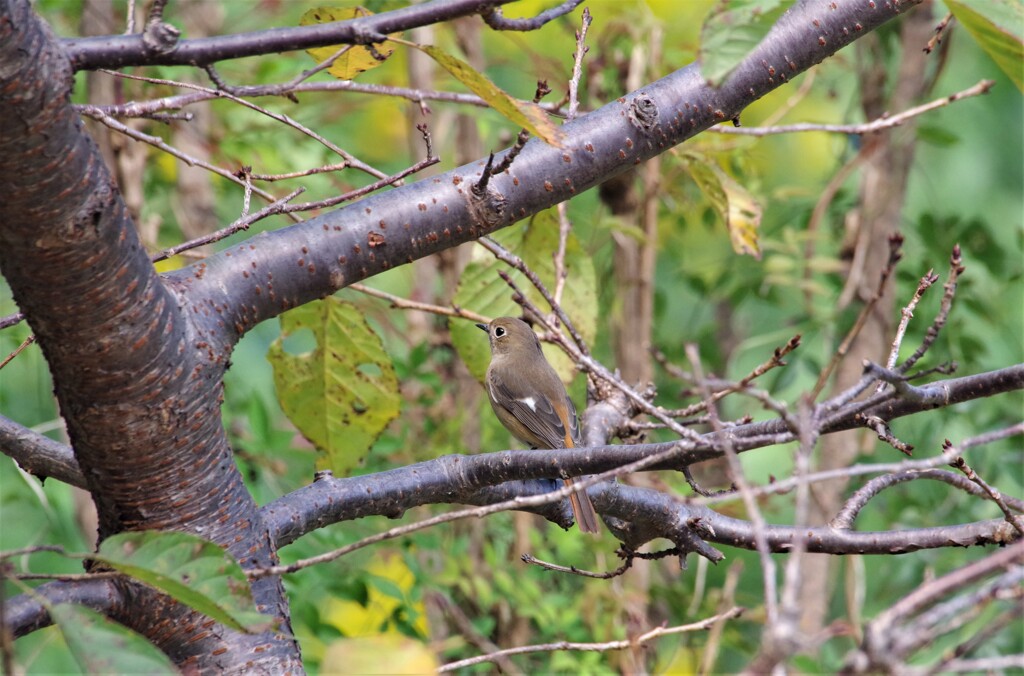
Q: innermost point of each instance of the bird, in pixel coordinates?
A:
(530, 400)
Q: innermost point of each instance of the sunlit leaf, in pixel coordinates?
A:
(102, 646)
(737, 208)
(998, 26)
(356, 60)
(171, 264)
(189, 569)
(731, 31)
(388, 587)
(524, 114)
(386, 654)
(342, 391)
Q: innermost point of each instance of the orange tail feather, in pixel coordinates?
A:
(583, 511)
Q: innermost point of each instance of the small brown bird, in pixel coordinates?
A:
(530, 401)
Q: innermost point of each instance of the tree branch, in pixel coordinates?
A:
(26, 613)
(310, 260)
(119, 51)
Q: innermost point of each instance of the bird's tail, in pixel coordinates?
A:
(583, 511)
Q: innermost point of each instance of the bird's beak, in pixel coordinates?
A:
(483, 327)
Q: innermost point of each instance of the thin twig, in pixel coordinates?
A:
(564, 228)
(393, 179)
(819, 212)
(25, 343)
(845, 518)
(906, 313)
(956, 268)
(573, 570)
(738, 477)
(985, 665)
(406, 304)
(881, 428)
(11, 553)
(130, 23)
(908, 471)
(884, 122)
(514, 261)
(577, 65)
(936, 39)
(270, 178)
(323, 65)
(895, 243)
(506, 160)
(993, 494)
(157, 142)
(243, 223)
(11, 320)
(728, 599)
(68, 577)
(741, 386)
(287, 90)
(785, 633)
(279, 117)
(625, 553)
(596, 647)
(6, 635)
(470, 633)
(246, 175)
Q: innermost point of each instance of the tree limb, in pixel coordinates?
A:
(289, 267)
(119, 51)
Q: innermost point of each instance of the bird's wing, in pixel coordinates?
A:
(536, 413)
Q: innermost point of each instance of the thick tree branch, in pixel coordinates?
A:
(275, 271)
(484, 479)
(641, 515)
(396, 487)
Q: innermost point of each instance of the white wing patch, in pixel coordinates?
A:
(529, 401)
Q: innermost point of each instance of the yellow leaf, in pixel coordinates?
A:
(391, 654)
(682, 662)
(356, 60)
(737, 208)
(170, 264)
(525, 114)
(356, 620)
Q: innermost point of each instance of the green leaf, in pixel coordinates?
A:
(524, 114)
(579, 299)
(940, 137)
(997, 26)
(342, 392)
(356, 60)
(731, 31)
(737, 208)
(102, 646)
(481, 290)
(190, 570)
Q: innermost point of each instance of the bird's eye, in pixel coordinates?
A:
(499, 332)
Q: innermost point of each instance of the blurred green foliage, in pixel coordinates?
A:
(965, 187)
